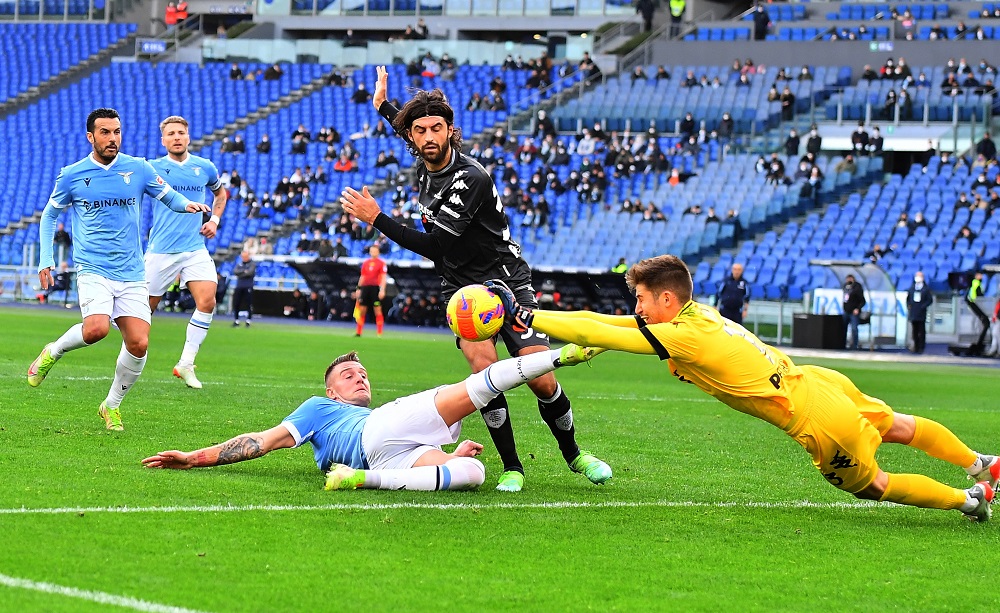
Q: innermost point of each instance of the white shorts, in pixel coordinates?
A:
(101, 296)
(163, 268)
(398, 433)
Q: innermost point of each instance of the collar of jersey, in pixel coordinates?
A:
(454, 158)
(182, 162)
(108, 167)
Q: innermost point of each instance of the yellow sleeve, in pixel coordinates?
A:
(618, 332)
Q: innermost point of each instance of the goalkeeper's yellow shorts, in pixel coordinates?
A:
(841, 428)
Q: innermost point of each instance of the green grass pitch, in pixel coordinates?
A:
(708, 509)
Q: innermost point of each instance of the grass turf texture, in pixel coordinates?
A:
(707, 506)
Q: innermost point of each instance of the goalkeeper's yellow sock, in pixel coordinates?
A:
(921, 491)
(937, 441)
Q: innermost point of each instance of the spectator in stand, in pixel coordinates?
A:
(761, 22)
(687, 126)
(264, 146)
(235, 72)
(389, 162)
(421, 31)
(815, 141)
(859, 139)
(965, 233)
(690, 80)
(847, 165)
(304, 244)
(869, 74)
(987, 148)
(792, 142)
(238, 145)
(905, 106)
(875, 143)
(273, 73)
(315, 307)
(646, 8)
(787, 104)
(62, 237)
(344, 164)
(170, 16)
(299, 145)
(360, 95)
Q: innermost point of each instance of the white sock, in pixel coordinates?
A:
(70, 340)
(455, 474)
(127, 371)
(981, 463)
(197, 329)
(508, 374)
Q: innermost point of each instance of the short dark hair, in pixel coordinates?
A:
(347, 357)
(426, 104)
(662, 273)
(101, 113)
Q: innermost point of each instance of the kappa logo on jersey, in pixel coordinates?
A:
(460, 173)
(455, 199)
(127, 176)
(459, 185)
(87, 181)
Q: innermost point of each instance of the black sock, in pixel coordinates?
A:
(497, 419)
(558, 414)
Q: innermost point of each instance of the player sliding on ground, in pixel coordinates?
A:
(820, 409)
(393, 447)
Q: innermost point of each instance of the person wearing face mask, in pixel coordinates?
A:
(918, 300)
(815, 141)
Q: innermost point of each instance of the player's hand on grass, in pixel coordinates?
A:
(468, 449)
(360, 204)
(177, 460)
(196, 207)
(45, 278)
(518, 316)
(381, 86)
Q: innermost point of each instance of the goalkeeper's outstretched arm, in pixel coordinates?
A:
(237, 449)
(618, 332)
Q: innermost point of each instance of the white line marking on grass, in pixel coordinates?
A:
(99, 597)
(794, 504)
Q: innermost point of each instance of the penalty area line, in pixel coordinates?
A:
(98, 597)
(795, 504)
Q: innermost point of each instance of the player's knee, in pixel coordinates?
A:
(95, 331)
(544, 386)
(466, 473)
(137, 346)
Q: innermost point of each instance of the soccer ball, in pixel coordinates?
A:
(475, 313)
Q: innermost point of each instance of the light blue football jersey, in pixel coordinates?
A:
(180, 232)
(334, 429)
(104, 203)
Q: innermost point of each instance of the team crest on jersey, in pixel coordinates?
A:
(197, 171)
(127, 176)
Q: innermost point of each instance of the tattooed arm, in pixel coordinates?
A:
(243, 447)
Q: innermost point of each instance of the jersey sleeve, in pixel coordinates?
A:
(156, 187)
(469, 190)
(301, 424)
(61, 196)
(214, 182)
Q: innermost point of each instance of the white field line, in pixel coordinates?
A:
(795, 504)
(98, 597)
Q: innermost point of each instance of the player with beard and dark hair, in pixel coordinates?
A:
(468, 239)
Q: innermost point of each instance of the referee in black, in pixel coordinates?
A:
(467, 236)
(733, 297)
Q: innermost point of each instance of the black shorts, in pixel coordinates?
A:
(368, 296)
(516, 341)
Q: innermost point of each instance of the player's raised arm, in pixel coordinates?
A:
(243, 447)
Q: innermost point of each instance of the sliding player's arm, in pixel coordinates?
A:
(243, 447)
(620, 333)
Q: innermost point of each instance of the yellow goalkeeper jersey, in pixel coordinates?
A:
(702, 348)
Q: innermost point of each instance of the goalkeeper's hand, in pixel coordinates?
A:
(519, 317)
